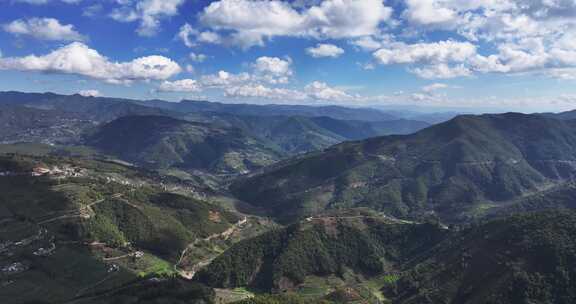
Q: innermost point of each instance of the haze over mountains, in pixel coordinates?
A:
(200, 202)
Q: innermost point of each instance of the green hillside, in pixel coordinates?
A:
(281, 260)
(526, 258)
(299, 134)
(451, 169)
(88, 227)
(164, 142)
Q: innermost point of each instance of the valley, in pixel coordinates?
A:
(195, 202)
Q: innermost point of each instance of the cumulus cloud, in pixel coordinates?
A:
(428, 12)
(190, 36)
(273, 65)
(313, 91)
(522, 36)
(261, 91)
(224, 79)
(183, 85)
(44, 29)
(325, 50)
(89, 93)
(265, 70)
(252, 22)
(321, 90)
(148, 13)
(442, 71)
(78, 59)
(437, 52)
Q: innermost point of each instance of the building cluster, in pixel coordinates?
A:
(16, 267)
(58, 172)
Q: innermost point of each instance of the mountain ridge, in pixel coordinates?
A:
(468, 159)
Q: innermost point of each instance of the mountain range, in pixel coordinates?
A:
(74, 119)
(106, 200)
(451, 170)
(164, 142)
(526, 258)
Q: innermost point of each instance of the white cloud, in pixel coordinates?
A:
(325, 50)
(183, 85)
(44, 29)
(314, 91)
(224, 79)
(321, 90)
(442, 71)
(443, 59)
(185, 33)
(260, 91)
(198, 57)
(191, 36)
(209, 37)
(89, 93)
(434, 87)
(252, 22)
(92, 10)
(428, 12)
(77, 58)
(520, 36)
(147, 12)
(561, 73)
(273, 65)
(437, 52)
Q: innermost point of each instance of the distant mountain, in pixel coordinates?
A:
(24, 124)
(100, 109)
(298, 134)
(567, 115)
(336, 112)
(291, 129)
(164, 142)
(434, 118)
(454, 170)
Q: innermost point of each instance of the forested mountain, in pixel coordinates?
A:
(25, 124)
(281, 260)
(164, 142)
(336, 112)
(99, 109)
(78, 228)
(452, 169)
(63, 119)
(198, 202)
(528, 258)
(298, 134)
(105, 107)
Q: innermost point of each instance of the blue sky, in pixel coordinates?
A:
(503, 54)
